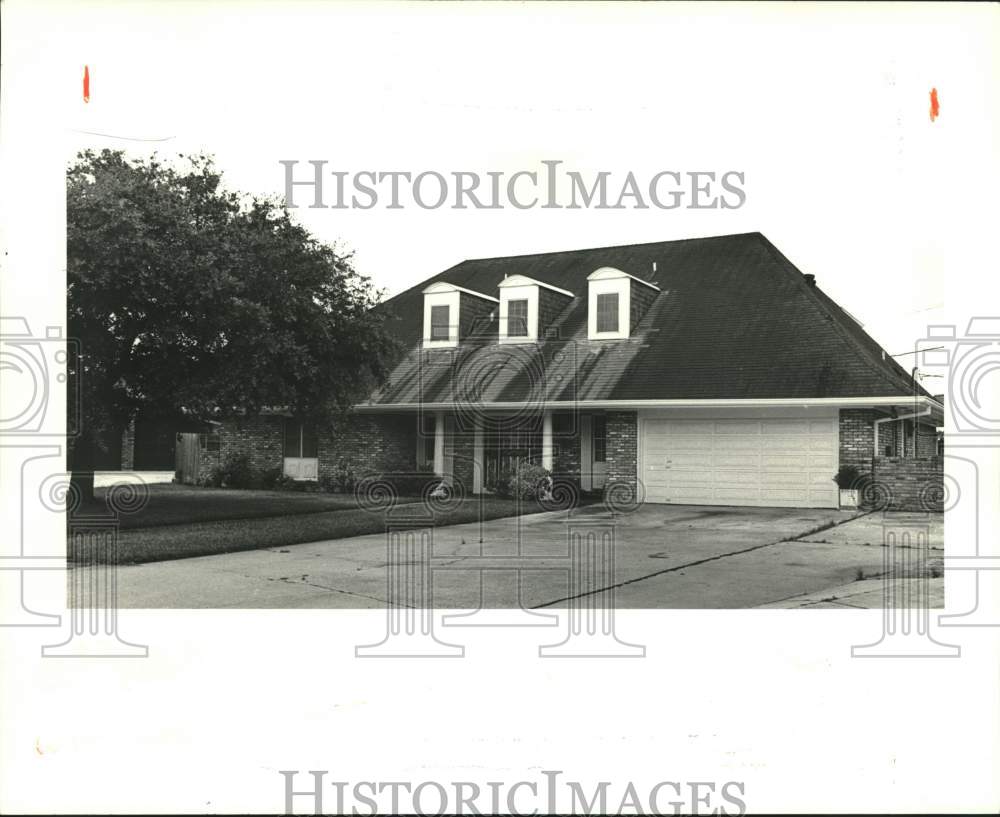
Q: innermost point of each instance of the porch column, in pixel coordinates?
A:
(547, 441)
(478, 464)
(439, 443)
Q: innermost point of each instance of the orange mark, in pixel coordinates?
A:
(86, 83)
(935, 106)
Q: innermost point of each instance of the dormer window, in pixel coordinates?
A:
(440, 324)
(452, 313)
(528, 308)
(607, 312)
(517, 318)
(616, 302)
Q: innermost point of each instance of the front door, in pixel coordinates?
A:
(506, 448)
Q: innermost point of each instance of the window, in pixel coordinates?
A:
(300, 441)
(440, 327)
(607, 312)
(599, 437)
(517, 318)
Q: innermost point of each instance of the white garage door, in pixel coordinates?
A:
(784, 462)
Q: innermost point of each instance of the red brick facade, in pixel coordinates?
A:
(622, 447)
(370, 443)
(366, 443)
(911, 484)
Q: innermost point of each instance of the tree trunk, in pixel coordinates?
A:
(81, 465)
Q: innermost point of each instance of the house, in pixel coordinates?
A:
(700, 371)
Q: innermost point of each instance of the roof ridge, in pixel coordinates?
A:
(810, 291)
(608, 247)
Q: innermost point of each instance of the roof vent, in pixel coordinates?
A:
(810, 278)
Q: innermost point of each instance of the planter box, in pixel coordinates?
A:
(848, 498)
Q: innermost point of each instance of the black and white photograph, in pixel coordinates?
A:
(640, 359)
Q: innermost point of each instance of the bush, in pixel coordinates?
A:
(341, 480)
(237, 471)
(272, 478)
(213, 479)
(847, 477)
(527, 481)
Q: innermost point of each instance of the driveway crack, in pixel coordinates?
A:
(697, 562)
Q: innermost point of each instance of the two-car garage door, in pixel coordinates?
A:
(778, 461)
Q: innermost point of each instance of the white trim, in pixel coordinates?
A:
(478, 465)
(524, 280)
(439, 443)
(450, 299)
(619, 287)
(520, 292)
(547, 447)
(609, 273)
(625, 405)
(444, 286)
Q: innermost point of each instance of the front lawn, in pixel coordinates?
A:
(294, 519)
(171, 504)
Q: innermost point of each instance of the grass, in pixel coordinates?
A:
(186, 504)
(182, 522)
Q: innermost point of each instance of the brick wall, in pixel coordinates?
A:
(566, 444)
(912, 484)
(857, 438)
(926, 441)
(622, 450)
(367, 443)
(260, 438)
(370, 443)
(463, 449)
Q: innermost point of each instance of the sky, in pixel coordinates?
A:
(828, 120)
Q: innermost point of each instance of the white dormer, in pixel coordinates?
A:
(522, 300)
(447, 309)
(610, 296)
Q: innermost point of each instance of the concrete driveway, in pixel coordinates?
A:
(667, 557)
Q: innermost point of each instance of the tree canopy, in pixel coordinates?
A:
(187, 297)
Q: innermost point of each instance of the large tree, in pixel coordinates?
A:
(186, 297)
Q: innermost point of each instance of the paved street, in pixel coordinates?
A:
(667, 557)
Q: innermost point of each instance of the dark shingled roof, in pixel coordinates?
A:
(734, 320)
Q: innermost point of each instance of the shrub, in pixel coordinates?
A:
(237, 471)
(272, 478)
(847, 477)
(342, 479)
(212, 479)
(528, 481)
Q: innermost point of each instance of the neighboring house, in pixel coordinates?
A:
(704, 371)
